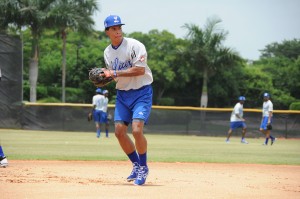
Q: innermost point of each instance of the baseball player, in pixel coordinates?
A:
(3, 159)
(237, 120)
(98, 106)
(266, 122)
(126, 60)
(105, 113)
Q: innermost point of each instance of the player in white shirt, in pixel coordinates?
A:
(267, 115)
(126, 58)
(237, 120)
(98, 106)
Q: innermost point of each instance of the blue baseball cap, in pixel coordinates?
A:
(242, 98)
(112, 20)
(266, 95)
(98, 90)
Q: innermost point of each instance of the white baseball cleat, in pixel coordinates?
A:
(243, 141)
(3, 162)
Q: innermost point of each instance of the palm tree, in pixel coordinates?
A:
(38, 15)
(70, 15)
(29, 14)
(207, 52)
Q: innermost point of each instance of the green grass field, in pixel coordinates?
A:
(54, 145)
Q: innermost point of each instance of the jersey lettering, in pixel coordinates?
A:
(118, 65)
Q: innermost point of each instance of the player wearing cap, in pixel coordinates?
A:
(237, 120)
(126, 58)
(98, 105)
(104, 113)
(267, 115)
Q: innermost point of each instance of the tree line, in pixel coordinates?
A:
(60, 47)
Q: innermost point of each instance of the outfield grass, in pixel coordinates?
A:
(54, 145)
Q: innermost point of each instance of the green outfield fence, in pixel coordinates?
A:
(163, 120)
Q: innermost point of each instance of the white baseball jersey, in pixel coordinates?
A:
(130, 53)
(98, 101)
(267, 108)
(238, 109)
(105, 103)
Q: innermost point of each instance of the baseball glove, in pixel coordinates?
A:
(90, 117)
(269, 127)
(100, 76)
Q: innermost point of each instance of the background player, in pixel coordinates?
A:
(237, 120)
(105, 112)
(126, 58)
(98, 105)
(267, 115)
(3, 159)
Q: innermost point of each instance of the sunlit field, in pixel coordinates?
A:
(58, 145)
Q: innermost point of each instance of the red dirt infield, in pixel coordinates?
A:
(107, 179)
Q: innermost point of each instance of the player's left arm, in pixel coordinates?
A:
(270, 117)
(237, 111)
(130, 72)
(269, 125)
(270, 113)
(239, 116)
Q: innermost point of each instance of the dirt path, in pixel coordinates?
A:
(104, 179)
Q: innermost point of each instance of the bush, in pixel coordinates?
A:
(295, 106)
(53, 94)
(49, 100)
(74, 95)
(167, 101)
(42, 92)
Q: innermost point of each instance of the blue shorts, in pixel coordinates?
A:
(97, 114)
(264, 123)
(238, 124)
(104, 117)
(133, 104)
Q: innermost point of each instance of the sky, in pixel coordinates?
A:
(251, 24)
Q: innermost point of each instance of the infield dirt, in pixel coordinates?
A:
(107, 179)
